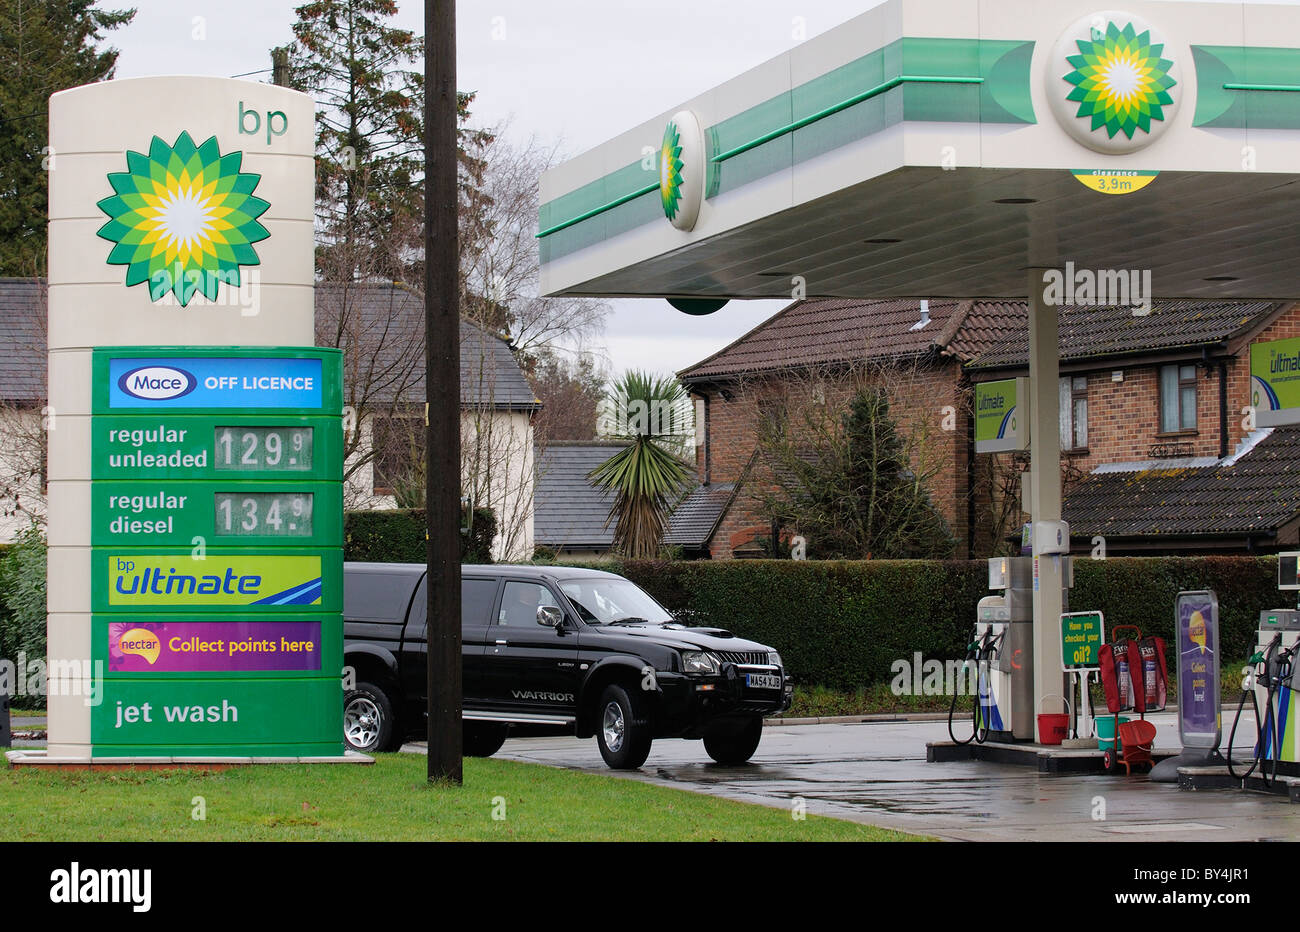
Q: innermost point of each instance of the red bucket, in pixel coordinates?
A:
(1053, 727)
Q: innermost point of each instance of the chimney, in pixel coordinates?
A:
(925, 316)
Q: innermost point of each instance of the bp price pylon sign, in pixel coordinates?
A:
(195, 433)
(217, 560)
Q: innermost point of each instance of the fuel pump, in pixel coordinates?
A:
(978, 653)
(1006, 622)
(1272, 683)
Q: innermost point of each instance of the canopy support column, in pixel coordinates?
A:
(1045, 485)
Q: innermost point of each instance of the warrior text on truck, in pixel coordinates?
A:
(554, 647)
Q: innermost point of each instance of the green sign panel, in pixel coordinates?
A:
(242, 716)
(216, 446)
(1275, 382)
(1001, 416)
(1082, 634)
(218, 513)
(217, 551)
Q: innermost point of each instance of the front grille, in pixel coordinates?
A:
(747, 657)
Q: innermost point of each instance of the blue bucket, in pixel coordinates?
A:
(1106, 739)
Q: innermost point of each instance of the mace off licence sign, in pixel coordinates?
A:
(217, 562)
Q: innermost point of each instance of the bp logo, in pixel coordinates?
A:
(1110, 84)
(183, 219)
(681, 170)
(670, 171)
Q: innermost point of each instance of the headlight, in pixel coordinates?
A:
(775, 659)
(698, 661)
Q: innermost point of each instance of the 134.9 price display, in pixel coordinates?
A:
(261, 514)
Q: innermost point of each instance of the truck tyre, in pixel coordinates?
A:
(483, 739)
(735, 746)
(622, 728)
(369, 723)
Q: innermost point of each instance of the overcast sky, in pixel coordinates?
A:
(573, 72)
(576, 72)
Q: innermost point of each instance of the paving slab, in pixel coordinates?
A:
(877, 773)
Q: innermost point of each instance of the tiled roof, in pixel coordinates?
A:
(22, 334)
(1257, 493)
(385, 324)
(385, 321)
(697, 515)
(568, 511)
(982, 333)
(996, 333)
(832, 330)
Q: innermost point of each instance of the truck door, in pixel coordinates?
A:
(477, 597)
(531, 670)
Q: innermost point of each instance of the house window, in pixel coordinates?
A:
(1177, 398)
(398, 446)
(1074, 412)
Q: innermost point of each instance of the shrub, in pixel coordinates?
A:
(22, 594)
(398, 536)
(842, 623)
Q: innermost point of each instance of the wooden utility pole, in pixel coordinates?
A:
(442, 389)
(280, 66)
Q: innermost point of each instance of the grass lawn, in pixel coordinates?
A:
(389, 801)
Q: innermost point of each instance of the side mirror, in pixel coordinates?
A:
(550, 615)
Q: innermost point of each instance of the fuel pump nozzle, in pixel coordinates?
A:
(984, 646)
(1272, 668)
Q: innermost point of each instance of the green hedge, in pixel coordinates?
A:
(398, 536)
(842, 624)
(22, 604)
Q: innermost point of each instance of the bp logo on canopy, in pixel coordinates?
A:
(1113, 83)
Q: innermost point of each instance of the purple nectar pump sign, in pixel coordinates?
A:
(1197, 619)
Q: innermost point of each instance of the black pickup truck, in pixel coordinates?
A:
(554, 647)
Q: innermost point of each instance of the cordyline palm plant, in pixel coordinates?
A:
(654, 416)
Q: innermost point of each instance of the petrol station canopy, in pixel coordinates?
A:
(942, 147)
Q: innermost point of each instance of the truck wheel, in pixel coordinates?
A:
(622, 729)
(735, 746)
(369, 723)
(483, 739)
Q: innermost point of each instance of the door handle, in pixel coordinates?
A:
(501, 643)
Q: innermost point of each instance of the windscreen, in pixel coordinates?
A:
(606, 601)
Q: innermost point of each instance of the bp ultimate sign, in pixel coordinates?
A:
(195, 493)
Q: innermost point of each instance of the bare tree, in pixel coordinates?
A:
(379, 325)
(570, 391)
(501, 262)
(25, 418)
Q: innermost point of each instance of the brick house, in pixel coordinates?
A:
(1149, 404)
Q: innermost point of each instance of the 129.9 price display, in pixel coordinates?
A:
(263, 448)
